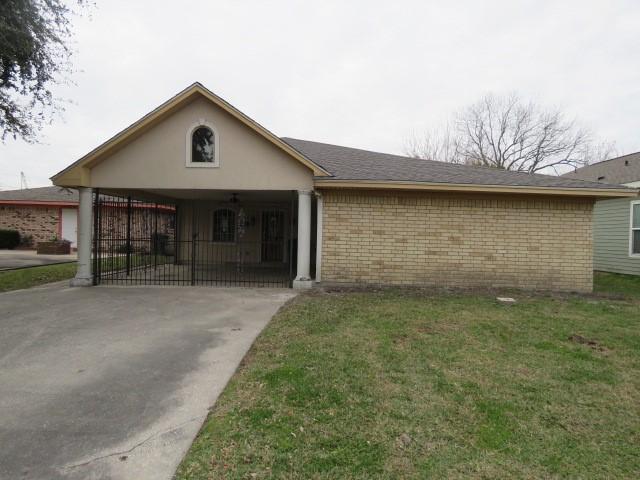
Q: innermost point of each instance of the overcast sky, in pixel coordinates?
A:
(358, 73)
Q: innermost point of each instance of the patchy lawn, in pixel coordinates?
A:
(615, 284)
(33, 276)
(418, 385)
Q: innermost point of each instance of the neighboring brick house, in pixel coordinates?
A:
(43, 213)
(251, 208)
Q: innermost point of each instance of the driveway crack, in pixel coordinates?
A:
(137, 445)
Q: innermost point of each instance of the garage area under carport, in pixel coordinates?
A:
(204, 237)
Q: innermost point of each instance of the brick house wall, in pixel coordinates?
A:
(43, 222)
(457, 240)
(113, 225)
(40, 221)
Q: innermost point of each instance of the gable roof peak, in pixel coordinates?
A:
(160, 113)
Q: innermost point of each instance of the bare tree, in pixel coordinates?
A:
(439, 144)
(508, 133)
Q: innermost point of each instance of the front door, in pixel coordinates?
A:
(272, 236)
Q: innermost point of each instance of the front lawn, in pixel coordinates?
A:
(427, 385)
(34, 276)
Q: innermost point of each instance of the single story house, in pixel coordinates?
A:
(251, 208)
(616, 221)
(41, 213)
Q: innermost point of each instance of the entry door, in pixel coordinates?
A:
(272, 236)
(70, 225)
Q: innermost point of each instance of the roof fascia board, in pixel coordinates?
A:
(397, 185)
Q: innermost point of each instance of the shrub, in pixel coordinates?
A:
(9, 239)
(26, 240)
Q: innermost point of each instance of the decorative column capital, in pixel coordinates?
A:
(305, 192)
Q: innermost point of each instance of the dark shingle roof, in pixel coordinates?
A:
(41, 194)
(346, 163)
(625, 169)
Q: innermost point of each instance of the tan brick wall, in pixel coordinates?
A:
(41, 222)
(457, 240)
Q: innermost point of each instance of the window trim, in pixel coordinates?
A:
(632, 228)
(235, 226)
(189, 139)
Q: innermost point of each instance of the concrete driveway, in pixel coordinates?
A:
(109, 382)
(29, 258)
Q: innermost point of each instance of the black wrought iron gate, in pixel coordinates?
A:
(140, 242)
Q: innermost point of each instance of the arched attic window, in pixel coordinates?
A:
(203, 145)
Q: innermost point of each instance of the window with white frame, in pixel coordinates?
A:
(634, 238)
(224, 226)
(202, 145)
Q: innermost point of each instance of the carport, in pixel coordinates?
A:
(182, 237)
(195, 193)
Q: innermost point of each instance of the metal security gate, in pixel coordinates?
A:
(138, 242)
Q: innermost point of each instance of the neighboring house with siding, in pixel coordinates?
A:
(43, 213)
(251, 208)
(616, 222)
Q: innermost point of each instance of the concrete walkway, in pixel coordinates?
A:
(111, 382)
(29, 258)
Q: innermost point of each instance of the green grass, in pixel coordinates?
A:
(415, 384)
(34, 276)
(616, 284)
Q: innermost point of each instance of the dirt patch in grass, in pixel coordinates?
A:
(588, 342)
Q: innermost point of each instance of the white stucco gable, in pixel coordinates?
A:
(154, 153)
(160, 157)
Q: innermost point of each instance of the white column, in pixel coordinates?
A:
(303, 277)
(319, 207)
(83, 276)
